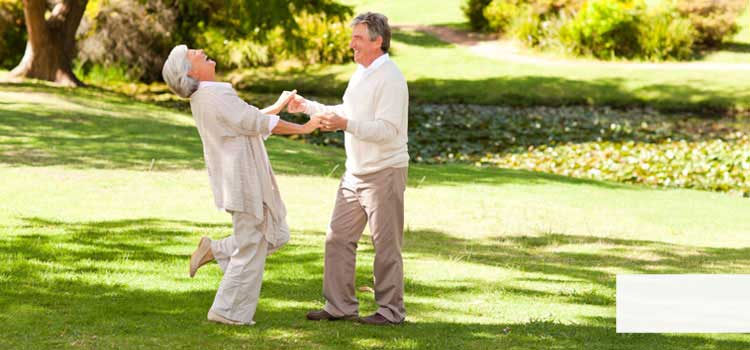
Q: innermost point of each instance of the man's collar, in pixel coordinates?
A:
(376, 63)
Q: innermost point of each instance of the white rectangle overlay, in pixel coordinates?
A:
(691, 303)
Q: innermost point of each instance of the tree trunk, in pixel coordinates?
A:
(51, 42)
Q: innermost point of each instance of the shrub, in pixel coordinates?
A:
(500, 14)
(527, 26)
(98, 74)
(604, 29)
(324, 39)
(665, 35)
(136, 35)
(131, 34)
(599, 28)
(540, 29)
(316, 39)
(234, 53)
(12, 33)
(474, 12)
(546, 8)
(714, 20)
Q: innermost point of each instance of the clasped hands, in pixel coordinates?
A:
(297, 104)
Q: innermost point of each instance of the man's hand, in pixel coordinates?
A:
(332, 122)
(297, 104)
(311, 125)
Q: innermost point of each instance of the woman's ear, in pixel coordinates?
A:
(193, 73)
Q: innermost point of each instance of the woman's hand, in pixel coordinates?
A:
(279, 105)
(298, 104)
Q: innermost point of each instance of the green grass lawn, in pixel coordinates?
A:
(95, 240)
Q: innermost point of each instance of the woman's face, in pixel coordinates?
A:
(202, 68)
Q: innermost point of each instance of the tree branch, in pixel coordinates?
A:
(59, 14)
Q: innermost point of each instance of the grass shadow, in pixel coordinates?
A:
(560, 256)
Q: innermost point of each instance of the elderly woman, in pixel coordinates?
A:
(241, 178)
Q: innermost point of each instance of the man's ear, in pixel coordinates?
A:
(379, 41)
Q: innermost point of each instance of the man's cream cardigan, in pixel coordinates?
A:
(376, 103)
(241, 177)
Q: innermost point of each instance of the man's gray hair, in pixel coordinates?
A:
(377, 25)
(175, 72)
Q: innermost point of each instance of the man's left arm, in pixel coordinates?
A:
(389, 115)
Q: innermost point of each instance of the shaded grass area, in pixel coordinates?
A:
(89, 128)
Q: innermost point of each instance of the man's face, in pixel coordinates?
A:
(201, 66)
(363, 47)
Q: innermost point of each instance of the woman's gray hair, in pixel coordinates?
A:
(175, 72)
(377, 25)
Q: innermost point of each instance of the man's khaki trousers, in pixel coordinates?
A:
(376, 198)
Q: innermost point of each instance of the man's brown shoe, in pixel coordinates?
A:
(201, 255)
(320, 315)
(378, 320)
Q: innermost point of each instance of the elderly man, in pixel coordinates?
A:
(241, 179)
(374, 116)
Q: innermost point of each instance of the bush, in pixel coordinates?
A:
(547, 8)
(604, 29)
(528, 28)
(316, 39)
(504, 15)
(12, 33)
(665, 35)
(324, 39)
(98, 74)
(474, 12)
(235, 53)
(714, 20)
(500, 14)
(669, 29)
(136, 35)
(540, 29)
(131, 34)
